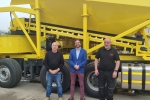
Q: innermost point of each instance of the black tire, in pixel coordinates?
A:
(66, 62)
(65, 80)
(91, 81)
(19, 71)
(43, 76)
(10, 73)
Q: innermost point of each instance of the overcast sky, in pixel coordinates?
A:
(5, 17)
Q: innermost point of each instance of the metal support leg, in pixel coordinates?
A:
(85, 34)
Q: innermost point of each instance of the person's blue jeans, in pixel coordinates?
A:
(50, 78)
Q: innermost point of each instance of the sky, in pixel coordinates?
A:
(5, 17)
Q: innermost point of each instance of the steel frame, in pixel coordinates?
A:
(83, 35)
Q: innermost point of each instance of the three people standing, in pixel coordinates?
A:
(106, 71)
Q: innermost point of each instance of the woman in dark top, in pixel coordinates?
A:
(53, 62)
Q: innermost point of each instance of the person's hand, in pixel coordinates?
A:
(51, 71)
(96, 72)
(76, 67)
(55, 71)
(114, 75)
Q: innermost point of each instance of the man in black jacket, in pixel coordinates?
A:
(107, 69)
(53, 62)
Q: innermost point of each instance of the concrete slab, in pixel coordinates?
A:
(34, 91)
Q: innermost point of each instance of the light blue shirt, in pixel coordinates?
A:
(78, 52)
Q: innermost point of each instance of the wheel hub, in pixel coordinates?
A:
(4, 74)
(92, 81)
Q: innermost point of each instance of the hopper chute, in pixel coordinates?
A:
(106, 16)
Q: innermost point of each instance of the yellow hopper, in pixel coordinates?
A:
(108, 16)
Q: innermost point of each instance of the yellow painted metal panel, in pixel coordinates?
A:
(125, 57)
(111, 16)
(15, 44)
(66, 56)
(137, 73)
(18, 9)
(25, 32)
(136, 81)
(126, 2)
(133, 73)
(14, 24)
(38, 27)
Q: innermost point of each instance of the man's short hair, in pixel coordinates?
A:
(77, 40)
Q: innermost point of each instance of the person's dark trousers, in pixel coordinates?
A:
(81, 82)
(106, 80)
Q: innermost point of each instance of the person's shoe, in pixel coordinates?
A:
(82, 99)
(60, 99)
(71, 99)
(47, 98)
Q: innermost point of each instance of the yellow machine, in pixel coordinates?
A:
(125, 22)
